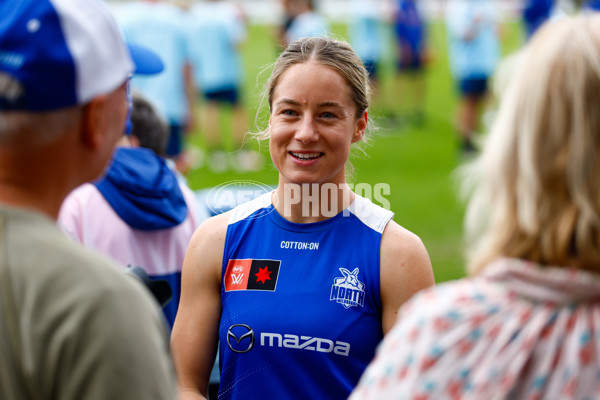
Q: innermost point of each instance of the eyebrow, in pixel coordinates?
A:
(297, 103)
(288, 101)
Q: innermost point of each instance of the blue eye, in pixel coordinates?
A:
(328, 115)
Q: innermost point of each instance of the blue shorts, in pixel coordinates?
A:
(410, 64)
(225, 96)
(175, 142)
(477, 87)
(372, 68)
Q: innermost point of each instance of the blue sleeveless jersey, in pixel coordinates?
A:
(301, 307)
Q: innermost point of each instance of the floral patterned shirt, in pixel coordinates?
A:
(516, 331)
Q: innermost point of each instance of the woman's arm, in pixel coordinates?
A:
(405, 269)
(195, 332)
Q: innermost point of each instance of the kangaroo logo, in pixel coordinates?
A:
(348, 290)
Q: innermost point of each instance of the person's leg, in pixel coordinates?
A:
(239, 126)
(400, 97)
(242, 159)
(216, 158)
(417, 91)
(372, 67)
(473, 91)
(239, 117)
(410, 88)
(468, 110)
(211, 126)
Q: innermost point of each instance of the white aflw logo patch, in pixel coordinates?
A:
(348, 290)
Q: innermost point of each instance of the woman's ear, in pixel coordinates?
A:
(361, 127)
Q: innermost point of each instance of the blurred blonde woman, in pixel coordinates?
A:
(526, 323)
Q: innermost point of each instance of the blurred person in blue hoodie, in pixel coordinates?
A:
(139, 213)
(535, 13)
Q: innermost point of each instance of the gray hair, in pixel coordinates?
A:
(24, 128)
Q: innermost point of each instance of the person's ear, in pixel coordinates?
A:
(361, 127)
(95, 122)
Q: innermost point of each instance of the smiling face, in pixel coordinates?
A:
(312, 125)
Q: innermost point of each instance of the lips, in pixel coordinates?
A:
(305, 156)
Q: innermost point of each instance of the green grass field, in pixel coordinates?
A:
(416, 162)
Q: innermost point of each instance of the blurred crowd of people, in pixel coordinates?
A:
(206, 97)
(200, 89)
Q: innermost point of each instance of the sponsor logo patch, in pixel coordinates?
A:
(321, 345)
(348, 290)
(251, 275)
(240, 338)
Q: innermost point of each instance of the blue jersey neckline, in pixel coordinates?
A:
(280, 221)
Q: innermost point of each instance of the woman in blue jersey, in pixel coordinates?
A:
(299, 285)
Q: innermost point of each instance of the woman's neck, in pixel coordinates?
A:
(311, 202)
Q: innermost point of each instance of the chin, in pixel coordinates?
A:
(303, 179)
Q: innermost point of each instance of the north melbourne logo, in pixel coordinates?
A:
(348, 290)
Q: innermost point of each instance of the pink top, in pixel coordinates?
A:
(88, 218)
(516, 331)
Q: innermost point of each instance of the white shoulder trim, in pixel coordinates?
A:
(246, 209)
(372, 215)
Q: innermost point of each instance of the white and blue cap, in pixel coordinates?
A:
(60, 53)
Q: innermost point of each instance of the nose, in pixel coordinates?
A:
(307, 131)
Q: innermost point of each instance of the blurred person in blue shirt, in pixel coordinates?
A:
(366, 34)
(306, 22)
(410, 34)
(474, 52)
(217, 30)
(160, 26)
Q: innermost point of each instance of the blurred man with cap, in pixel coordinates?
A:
(72, 325)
